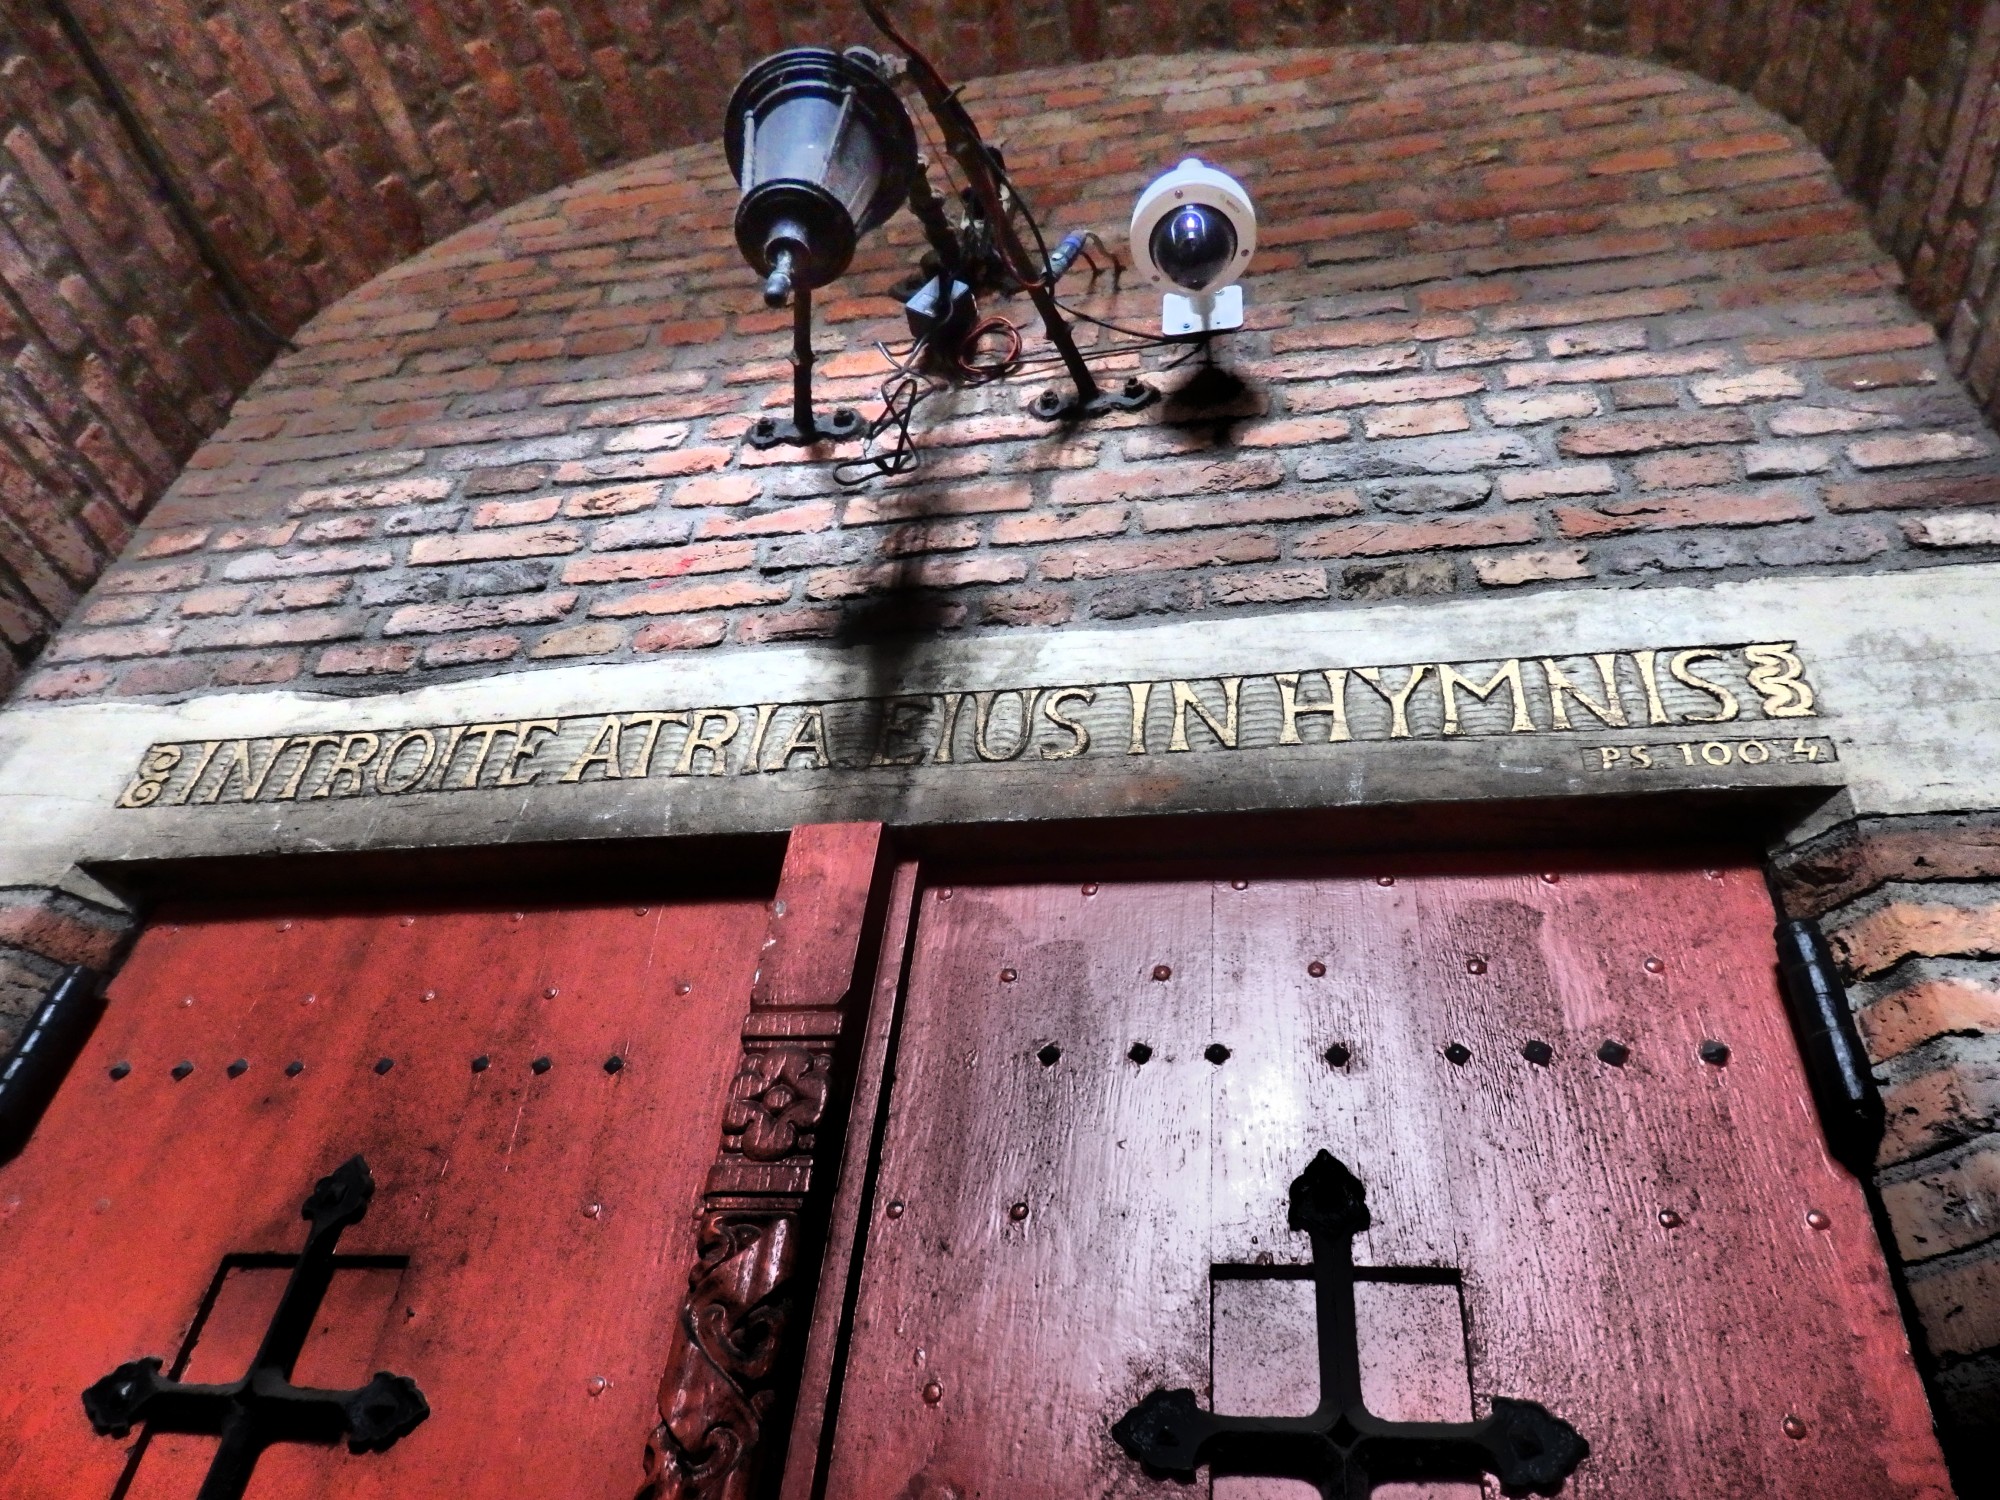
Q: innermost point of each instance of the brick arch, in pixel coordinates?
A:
(1524, 319)
(321, 144)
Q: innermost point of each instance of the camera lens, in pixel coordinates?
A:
(1193, 245)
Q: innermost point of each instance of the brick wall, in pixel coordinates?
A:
(324, 142)
(1912, 908)
(1521, 320)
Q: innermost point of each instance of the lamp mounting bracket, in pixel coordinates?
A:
(1052, 406)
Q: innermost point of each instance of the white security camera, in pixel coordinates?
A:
(1193, 232)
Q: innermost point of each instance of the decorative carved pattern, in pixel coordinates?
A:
(715, 1398)
(777, 1101)
(728, 1380)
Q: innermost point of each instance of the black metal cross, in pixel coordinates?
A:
(264, 1407)
(1343, 1447)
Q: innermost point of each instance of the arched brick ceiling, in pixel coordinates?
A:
(328, 139)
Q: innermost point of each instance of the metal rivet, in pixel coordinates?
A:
(409, 921)
(1050, 1055)
(1817, 1220)
(550, 993)
(428, 995)
(542, 1064)
(238, 1068)
(683, 988)
(1655, 966)
(1615, 1053)
(383, 1065)
(933, 1393)
(1239, 885)
(1140, 1053)
(614, 1063)
(1385, 880)
(1458, 1054)
(186, 1000)
(120, 1070)
(295, 1067)
(1316, 969)
(284, 927)
(481, 1063)
(1018, 1212)
(592, 1210)
(1551, 878)
(520, 916)
(896, 1209)
(1090, 889)
(1794, 1429)
(944, 893)
(597, 1385)
(1715, 1054)
(1541, 1054)
(303, 1000)
(1337, 1056)
(641, 911)
(181, 1069)
(1475, 966)
(1162, 972)
(1008, 976)
(1216, 1053)
(1669, 1219)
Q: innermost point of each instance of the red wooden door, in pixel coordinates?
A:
(1102, 1093)
(524, 1259)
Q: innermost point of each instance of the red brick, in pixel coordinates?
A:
(578, 640)
(616, 501)
(253, 567)
(1202, 476)
(472, 650)
(271, 630)
(1840, 343)
(690, 597)
(1382, 538)
(666, 562)
(133, 640)
(1110, 559)
(364, 661)
(961, 500)
(478, 614)
(518, 512)
(1272, 586)
(1642, 434)
(1908, 494)
(1671, 512)
(541, 541)
(1295, 433)
(680, 635)
(925, 573)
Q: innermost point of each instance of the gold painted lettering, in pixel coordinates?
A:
(603, 750)
(701, 737)
(525, 747)
(1079, 735)
(1398, 699)
(1450, 679)
(1142, 694)
(1743, 752)
(452, 737)
(1728, 706)
(155, 766)
(1642, 755)
(485, 734)
(982, 722)
(1186, 698)
(754, 761)
(1608, 756)
(309, 747)
(1777, 676)
(1611, 711)
(208, 749)
(653, 722)
(347, 763)
(1335, 708)
(386, 766)
(900, 716)
(953, 702)
(1649, 679)
(239, 763)
(808, 737)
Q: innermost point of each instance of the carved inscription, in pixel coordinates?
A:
(1664, 688)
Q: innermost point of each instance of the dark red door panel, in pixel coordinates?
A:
(1103, 1092)
(525, 1255)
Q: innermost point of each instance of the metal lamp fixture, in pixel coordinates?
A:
(824, 152)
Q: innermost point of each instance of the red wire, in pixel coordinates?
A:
(977, 370)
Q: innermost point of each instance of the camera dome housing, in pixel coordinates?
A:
(1193, 234)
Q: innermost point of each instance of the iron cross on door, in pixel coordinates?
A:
(264, 1407)
(1342, 1447)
